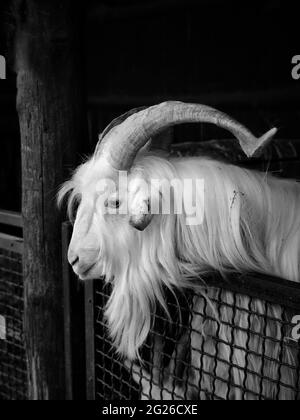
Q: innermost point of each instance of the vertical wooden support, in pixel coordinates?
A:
(50, 108)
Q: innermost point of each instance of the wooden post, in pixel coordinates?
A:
(50, 108)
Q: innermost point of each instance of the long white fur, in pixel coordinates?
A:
(251, 223)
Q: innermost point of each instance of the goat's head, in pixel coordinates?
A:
(108, 214)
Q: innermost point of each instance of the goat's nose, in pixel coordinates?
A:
(73, 257)
(74, 260)
(82, 261)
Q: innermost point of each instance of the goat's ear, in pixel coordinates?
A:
(140, 214)
(160, 143)
(146, 148)
(140, 221)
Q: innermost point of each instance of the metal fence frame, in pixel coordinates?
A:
(266, 288)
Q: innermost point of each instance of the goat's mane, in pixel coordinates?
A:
(251, 224)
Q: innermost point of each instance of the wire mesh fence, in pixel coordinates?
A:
(13, 374)
(217, 344)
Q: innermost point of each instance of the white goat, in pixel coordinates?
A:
(251, 221)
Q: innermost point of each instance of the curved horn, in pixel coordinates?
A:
(117, 121)
(120, 145)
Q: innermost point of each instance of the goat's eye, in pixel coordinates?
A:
(115, 204)
(75, 208)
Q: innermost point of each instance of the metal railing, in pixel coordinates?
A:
(222, 343)
(13, 368)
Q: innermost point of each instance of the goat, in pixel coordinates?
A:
(250, 220)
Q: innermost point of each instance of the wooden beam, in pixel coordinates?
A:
(50, 108)
(11, 243)
(11, 218)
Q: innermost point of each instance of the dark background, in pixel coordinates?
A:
(233, 55)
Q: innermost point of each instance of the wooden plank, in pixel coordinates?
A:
(11, 218)
(11, 243)
(50, 104)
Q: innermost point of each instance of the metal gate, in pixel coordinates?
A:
(13, 368)
(233, 340)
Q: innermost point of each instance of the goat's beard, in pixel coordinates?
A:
(139, 275)
(247, 227)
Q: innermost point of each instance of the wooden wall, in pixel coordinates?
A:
(10, 156)
(231, 54)
(234, 55)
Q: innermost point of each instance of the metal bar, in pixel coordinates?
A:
(90, 340)
(269, 288)
(11, 218)
(11, 243)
